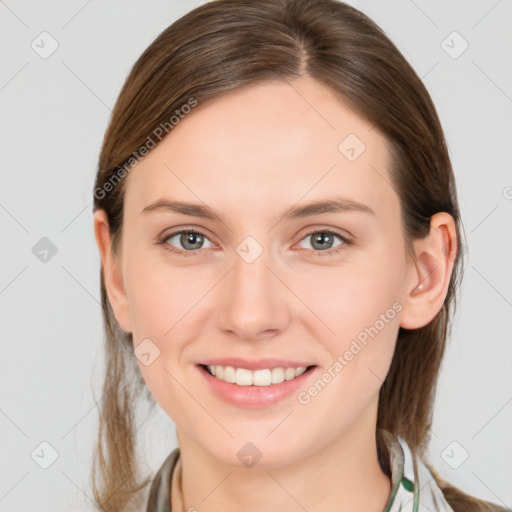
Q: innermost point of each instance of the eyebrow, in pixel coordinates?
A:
(335, 205)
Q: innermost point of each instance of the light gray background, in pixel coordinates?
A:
(54, 112)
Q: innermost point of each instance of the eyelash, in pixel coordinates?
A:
(330, 252)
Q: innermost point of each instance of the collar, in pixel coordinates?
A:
(413, 487)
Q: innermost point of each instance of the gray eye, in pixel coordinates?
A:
(322, 240)
(189, 240)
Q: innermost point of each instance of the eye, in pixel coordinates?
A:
(190, 239)
(322, 241)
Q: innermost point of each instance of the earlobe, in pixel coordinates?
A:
(430, 273)
(112, 271)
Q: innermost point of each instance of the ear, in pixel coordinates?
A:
(112, 271)
(429, 276)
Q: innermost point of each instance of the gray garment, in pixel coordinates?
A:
(159, 495)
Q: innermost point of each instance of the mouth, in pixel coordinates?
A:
(261, 377)
(257, 388)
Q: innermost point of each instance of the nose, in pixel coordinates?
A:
(254, 303)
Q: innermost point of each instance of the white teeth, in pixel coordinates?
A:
(289, 374)
(243, 377)
(265, 377)
(277, 375)
(229, 374)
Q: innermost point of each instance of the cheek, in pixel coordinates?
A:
(164, 303)
(360, 355)
(160, 297)
(350, 299)
(161, 308)
(363, 309)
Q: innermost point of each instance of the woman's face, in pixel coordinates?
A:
(263, 287)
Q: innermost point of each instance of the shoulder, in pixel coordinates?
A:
(158, 499)
(459, 501)
(492, 507)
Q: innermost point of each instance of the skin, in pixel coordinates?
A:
(248, 156)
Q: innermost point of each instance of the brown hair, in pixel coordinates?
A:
(223, 45)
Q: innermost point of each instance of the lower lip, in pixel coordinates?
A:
(255, 396)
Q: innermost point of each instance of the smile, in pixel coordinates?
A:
(268, 382)
(262, 377)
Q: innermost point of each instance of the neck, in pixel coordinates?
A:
(338, 477)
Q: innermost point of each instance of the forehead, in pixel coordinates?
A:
(268, 144)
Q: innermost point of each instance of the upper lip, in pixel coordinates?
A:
(255, 364)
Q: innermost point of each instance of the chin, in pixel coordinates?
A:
(257, 451)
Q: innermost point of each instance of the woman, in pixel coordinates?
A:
(279, 233)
